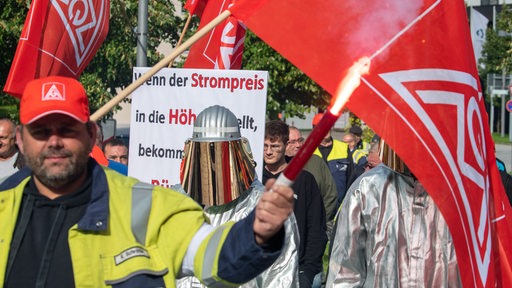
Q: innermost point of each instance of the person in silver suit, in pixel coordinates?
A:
(218, 171)
(390, 233)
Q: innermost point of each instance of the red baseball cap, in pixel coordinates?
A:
(54, 94)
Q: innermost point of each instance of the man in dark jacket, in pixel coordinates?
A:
(309, 209)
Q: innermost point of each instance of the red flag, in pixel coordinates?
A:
(422, 95)
(222, 47)
(195, 7)
(58, 38)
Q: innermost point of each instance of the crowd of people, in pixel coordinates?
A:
(71, 218)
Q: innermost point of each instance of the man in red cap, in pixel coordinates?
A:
(67, 221)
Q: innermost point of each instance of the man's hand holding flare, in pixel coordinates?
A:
(272, 211)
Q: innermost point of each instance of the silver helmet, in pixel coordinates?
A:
(217, 164)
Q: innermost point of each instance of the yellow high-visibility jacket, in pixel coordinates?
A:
(338, 162)
(132, 230)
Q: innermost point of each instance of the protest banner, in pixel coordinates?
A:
(165, 106)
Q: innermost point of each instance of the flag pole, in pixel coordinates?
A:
(162, 64)
(185, 28)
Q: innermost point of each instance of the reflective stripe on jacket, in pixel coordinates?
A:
(358, 155)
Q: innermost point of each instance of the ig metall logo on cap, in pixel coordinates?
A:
(53, 91)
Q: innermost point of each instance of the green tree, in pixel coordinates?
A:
(12, 17)
(497, 49)
(111, 68)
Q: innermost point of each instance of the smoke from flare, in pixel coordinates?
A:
(349, 83)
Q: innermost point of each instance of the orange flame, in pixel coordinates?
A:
(347, 86)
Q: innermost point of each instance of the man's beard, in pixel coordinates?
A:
(67, 174)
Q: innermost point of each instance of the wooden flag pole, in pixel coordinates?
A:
(162, 64)
(185, 28)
